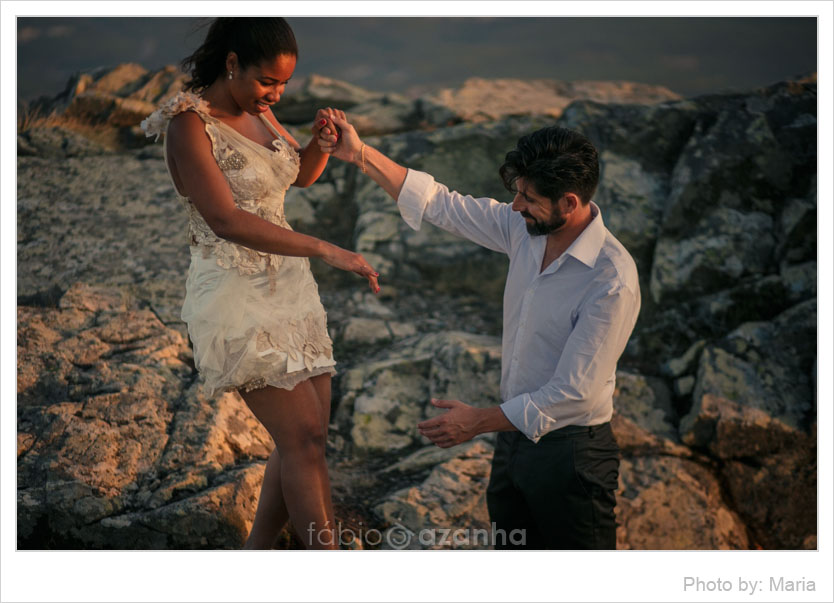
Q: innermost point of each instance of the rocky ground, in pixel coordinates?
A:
(715, 408)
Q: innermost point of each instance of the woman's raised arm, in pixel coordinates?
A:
(383, 170)
(313, 158)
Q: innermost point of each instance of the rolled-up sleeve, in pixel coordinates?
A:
(588, 363)
(479, 219)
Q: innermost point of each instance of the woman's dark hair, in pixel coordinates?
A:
(253, 39)
(555, 161)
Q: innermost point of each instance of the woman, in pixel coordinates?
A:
(252, 305)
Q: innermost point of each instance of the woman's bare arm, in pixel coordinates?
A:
(313, 159)
(189, 148)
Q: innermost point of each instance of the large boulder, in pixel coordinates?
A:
(480, 99)
(717, 251)
(117, 445)
(755, 387)
(448, 509)
(57, 142)
(370, 112)
(777, 495)
(117, 221)
(754, 407)
(644, 417)
(632, 200)
(111, 102)
(745, 156)
(668, 503)
(797, 228)
(301, 101)
(383, 401)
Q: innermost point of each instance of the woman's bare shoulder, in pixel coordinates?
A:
(187, 124)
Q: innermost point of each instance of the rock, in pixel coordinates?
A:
(118, 448)
(57, 142)
(754, 299)
(301, 205)
(732, 430)
(366, 331)
(653, 134)
(452, 497)
(464, 367)
(299, 105)
(480, 99)
(685, 364)
(798, 228)
(429, 456)
(386, 424)
(744, 154)
(632, 202)
(760, 380)
(667, 503)
(119, 224)
(385, 419)
(373, 331)
(383, 401)
(800, 281)
(371, 113)
(643, 420)
(722, 248)
(684, 386)
(128, 93)
(392, 113)
(98, 111)
(777, 496)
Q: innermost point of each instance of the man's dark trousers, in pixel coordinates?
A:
(560, 490)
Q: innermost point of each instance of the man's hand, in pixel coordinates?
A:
(454, 427)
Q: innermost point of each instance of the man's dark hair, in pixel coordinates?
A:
(555, 161)
(254, 39)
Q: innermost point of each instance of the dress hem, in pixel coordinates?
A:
(287, 381)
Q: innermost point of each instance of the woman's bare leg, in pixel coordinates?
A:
(272, 515)
(322, 385)
(297, 424)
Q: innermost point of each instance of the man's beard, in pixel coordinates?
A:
(539, 228)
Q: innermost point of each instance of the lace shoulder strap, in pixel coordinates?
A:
(156, 123)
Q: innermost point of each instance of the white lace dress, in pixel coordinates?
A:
(254, 318)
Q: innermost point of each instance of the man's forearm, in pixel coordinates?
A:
(492, 419)
(384, 171)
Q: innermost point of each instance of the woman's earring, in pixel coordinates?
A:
(230, 75)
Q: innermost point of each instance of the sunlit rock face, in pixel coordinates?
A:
(715, 406)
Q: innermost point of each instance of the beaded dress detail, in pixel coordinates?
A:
(254, 318)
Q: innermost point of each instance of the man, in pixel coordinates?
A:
(570, 303)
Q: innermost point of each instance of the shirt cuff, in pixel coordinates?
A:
(414, 196)
(527, 417)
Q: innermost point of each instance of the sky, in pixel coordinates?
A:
(690, 55)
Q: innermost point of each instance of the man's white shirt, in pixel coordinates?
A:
(564, 328)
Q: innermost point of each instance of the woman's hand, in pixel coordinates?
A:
(351, 262)
(339, 138)
(320, 125)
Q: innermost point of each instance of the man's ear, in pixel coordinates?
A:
(571, 201)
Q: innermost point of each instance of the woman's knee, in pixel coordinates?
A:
(307, 438)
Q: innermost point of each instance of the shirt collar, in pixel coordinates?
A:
(588, 244)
